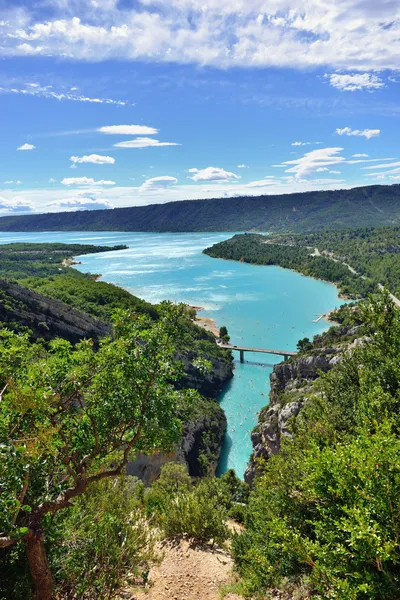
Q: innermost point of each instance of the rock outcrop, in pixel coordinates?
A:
(45, 317)
(208, 384)
(198, 450)
(290, 379)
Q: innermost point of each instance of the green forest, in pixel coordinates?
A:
(368, 206)
(357, 260)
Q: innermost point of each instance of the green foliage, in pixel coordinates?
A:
(324, 514)
(42, 260)
(199, 514)
(198, 508)
(357, 260)
(223, 334)
(84, 293)
(103, 540)
(364, 206)
(70, 417)
(292, 253)
(304, 344)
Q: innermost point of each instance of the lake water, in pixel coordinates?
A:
(265, 307)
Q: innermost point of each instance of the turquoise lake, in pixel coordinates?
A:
(265, 307)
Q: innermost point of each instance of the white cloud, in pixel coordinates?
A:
(213, 174)
(96, 159)
(8, 182)
(144, 142)
(383, 165)
(305, 143)
(17, 205)
(355, 36)
(34, 89)
(360, 155)
(261, 183)
(158, 183)
(52, 180)
(351, 82)
(128, 130)
(314, 160)
(85, 181)
(367, 133)
(80, 203)
(366, 160)
(27, 147)
(242, 167)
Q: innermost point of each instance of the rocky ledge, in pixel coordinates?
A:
(291, 383)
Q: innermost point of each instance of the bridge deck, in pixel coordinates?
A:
(263, 350)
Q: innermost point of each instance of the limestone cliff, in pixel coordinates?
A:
(291, 384)
(45, 317)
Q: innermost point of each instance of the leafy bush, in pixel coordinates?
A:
(182, 507)
(103, 540)
(199, 514)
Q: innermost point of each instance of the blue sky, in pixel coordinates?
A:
(111, 103)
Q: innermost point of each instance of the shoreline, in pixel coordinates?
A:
(206, 323)
(336, 285)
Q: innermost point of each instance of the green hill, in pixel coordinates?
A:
(368, 206)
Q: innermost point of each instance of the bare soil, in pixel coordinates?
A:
(186, 572)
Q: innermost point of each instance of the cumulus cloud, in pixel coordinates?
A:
(242, 167)
(96, 159)
(367, 133)
(355, 36)
(355, 81)
(27, 147)
(314, 160)
(144, 142)
(85, 181)
(158, 183)
(213, 174)
(15, 205)
(128, 130)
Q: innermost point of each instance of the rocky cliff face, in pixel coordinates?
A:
(198, 450)
(45, 317)
(290, 383)
(208, 384)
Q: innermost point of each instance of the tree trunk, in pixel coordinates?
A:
(38, 564)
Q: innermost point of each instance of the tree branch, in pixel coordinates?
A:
(66, 496)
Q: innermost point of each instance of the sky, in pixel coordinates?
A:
(109, 103)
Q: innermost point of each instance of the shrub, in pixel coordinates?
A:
(104, 539)
(200, 514)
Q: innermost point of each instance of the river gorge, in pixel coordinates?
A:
(262, 306)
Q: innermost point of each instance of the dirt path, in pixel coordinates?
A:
(186, 573)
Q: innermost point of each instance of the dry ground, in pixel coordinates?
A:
(186, 572)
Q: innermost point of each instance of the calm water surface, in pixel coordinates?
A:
(265, 307)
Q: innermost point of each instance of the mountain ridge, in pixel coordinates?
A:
(366, 206)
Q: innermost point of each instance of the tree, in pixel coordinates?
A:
(223, 334)
(304, 344)
(72, 416)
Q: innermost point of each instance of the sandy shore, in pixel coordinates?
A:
(205, 322)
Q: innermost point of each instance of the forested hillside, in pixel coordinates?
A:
(356, 260)
(309, 211)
